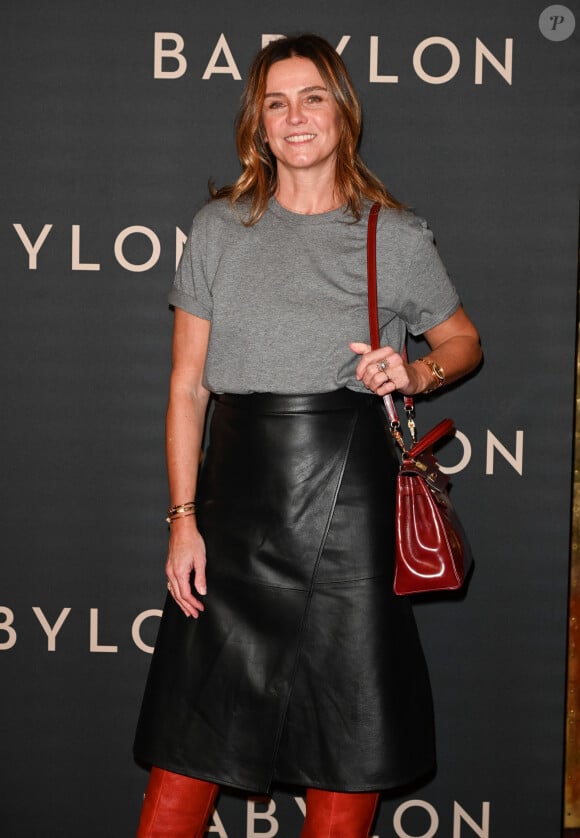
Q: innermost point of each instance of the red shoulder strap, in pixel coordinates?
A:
(374, 307)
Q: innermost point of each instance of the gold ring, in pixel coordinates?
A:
(169, 588)
(383, 365)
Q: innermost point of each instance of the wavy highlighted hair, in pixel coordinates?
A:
(258, 181)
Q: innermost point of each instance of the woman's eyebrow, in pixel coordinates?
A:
(304, 90)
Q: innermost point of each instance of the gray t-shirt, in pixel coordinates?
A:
(287, 296)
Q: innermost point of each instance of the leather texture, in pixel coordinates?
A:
(175, 806)
(338, 814)
(432, 551)
(305, 668)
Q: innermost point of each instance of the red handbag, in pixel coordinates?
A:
(432, 552)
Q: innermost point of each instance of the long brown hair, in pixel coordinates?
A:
(257, 183)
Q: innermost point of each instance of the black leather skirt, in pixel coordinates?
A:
(305, 668)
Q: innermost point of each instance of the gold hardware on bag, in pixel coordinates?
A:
(410, 411)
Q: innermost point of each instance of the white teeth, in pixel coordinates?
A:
(300, 138)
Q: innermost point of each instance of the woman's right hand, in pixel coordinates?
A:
(186, 554)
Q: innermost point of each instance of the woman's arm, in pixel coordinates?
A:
(186, 411)
(454, 347)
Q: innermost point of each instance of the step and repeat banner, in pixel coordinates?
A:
(116, 115)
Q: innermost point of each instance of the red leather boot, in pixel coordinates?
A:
(175, 806)
(333, 814)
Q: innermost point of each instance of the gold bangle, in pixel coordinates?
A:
(171, 518)
(180, 510)
(437, 373)
(182, 507)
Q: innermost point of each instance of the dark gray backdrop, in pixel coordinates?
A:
(94, 144)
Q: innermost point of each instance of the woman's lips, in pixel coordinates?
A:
(299, 138)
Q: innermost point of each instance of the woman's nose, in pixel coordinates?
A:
(295, 113)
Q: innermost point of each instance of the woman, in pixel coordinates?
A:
(295, 662)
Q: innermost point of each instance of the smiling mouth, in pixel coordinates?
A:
(300, 138)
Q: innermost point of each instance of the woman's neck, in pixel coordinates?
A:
(307, 196)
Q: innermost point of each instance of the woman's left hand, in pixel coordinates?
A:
(383, 370)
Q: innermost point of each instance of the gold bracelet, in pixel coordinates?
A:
(171, 518)
(180, 510)
(182, 507)
(437, 373)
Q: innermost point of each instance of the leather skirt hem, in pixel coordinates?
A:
(400, 782)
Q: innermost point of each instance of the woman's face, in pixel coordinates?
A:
(300, 117)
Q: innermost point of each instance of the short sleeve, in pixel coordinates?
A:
(190, 290)
(424, 295)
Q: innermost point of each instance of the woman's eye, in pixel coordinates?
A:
(274, 105)
(314, 99)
